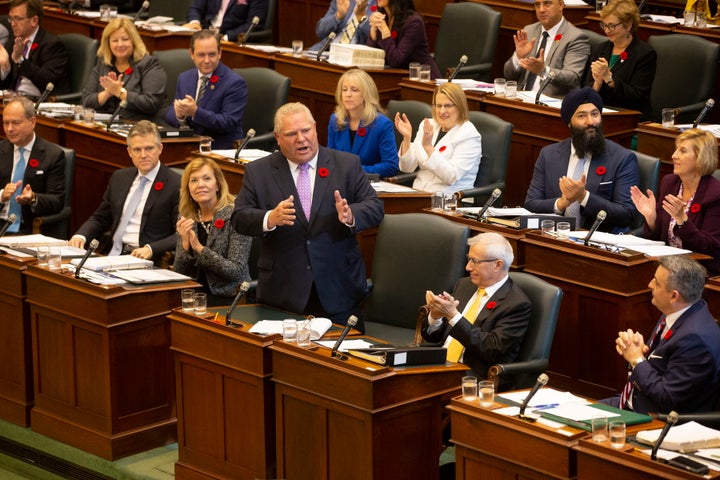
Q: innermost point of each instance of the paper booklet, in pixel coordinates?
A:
(120, 262)
(318, 326)
(28, 241)
(685, 438)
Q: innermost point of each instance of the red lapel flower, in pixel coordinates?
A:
(323, 172)
(361, 131)
(558, 37)
(159, 186)
(393, 34)
(33, 163)
(623, 56)
(373, 8)
(128, 71)
(490, 305)
(213, 79)
(33, 46)
(695, 208)
(442, 149)
(600, 170)
(667, 335)
(219, 223)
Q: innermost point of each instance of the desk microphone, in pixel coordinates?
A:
(144, 8)
(461, 63)
(325, 45)
(540, 382)
(122, 105)
(242, 291)
(48, 89)
(489, 203)
(351, 322)
(708, 105)
(547, 81)
(672, 419)
(254, 23)
(93, 245)
(602, 214)
(248, 136)
(8, 221)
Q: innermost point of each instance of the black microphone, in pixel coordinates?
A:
(93, 245)
(143, 9)
(8, 221)
(122, 105)
(489, 203)
(602, 214)
(547, 81)
(254, 23)
(672, 419)
(248, 136)
(352, 321)
(461, 63)
(540, 382)
(48, 89)
(325, 45)
(708, 105)
(242, 291)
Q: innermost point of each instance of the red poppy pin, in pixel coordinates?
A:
(361, 131)
(219, 223)
(128, 71)
(159, 186)
(33, 163)
(600, 170)
(323, 172)
(33, 46)
(695, 208)
(213, 78)
(558, 37)
(490, 305)
(442, 149)
(373, 8)
(623, 57)
(393, 34)
(667, 335)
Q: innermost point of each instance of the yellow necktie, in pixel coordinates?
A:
(455, 348)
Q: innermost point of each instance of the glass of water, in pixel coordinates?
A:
(187, 300)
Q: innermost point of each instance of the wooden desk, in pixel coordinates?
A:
(16, 386)
(604, 293)
(101, 363)
(657, 141)
(356, 420)
(235, 56)
(314, 84)
(646, 29)
(423, 92)
(600, 462)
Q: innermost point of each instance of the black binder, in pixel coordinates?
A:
(398, 356)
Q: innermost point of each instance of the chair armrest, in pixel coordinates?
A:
(528, 366)
(69, 97)
(38, 222)
(402, 179)
(265, 141)
(260, 36)
(480, 194)
(477, 71)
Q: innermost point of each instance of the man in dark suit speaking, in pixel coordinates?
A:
(307, 202)
(140, 205)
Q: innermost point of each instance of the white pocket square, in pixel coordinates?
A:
(39, 172)
(606, 183)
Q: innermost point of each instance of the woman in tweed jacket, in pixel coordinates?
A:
(208, 248)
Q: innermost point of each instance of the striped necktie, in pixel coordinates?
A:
(201, 91)
(455, 348)
(349, 32)
(626, 393)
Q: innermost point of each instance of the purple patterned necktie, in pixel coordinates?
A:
(303, 188)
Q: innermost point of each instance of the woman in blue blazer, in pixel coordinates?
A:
(358, 125)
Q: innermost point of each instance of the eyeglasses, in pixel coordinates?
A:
(446, 106)
(16, 19)
(609, 26)
(478, 261)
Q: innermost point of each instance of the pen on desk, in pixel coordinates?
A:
(545, 407)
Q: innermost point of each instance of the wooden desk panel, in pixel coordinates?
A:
(659, 142)
(101, 363)
(423, 92)
(235, 56)
(16, 386)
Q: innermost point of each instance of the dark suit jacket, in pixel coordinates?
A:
(237, 18)
(377, 148)
(145, 86)
(329, 23)
(701, 232)
(633, 76)
(220, 112)
(609, 191)
(496, 335)
(47, 179)
(683, 372)
(409, 45)
(45, 63)
(323, 251)
(157, 227)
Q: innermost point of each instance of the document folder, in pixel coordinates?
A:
(397, 356)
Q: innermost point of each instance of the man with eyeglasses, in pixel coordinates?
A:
(551, 46)
(586, 173)
(32, 57)
(211, 97)
(140, 206)
(494, 311)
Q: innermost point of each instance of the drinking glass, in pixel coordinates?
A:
(424, 72)
(511, 89)
(55, 259)
(437, 201)
(303, 333)
(499, 87)
(205, 144)
(469, 389)
(289, 330)
(599, 429)
(200, 303)
(563, 228)
(668, 117)
(297, 48)
(487, 393)
(414, 71)
(617, 434)
(43, 257)
(547, 226)
(188, 302)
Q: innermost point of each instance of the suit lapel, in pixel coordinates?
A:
(497, 298)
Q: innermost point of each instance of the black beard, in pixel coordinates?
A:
(588, 142)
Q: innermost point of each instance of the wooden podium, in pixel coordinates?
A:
(16, 387)
(101, 363)
(353, 419)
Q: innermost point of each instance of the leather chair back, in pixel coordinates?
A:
(415, 111)
(471, 29)
(174, 62)
(265, 34)
(57, 225)
(82, 53)
(649, 170)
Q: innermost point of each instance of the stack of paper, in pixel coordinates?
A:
(29, 241)
(120, 262)
(686, 437)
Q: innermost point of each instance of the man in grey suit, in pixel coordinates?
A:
(552, 46)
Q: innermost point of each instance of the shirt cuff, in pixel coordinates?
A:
(265, 222)
(455, 319)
